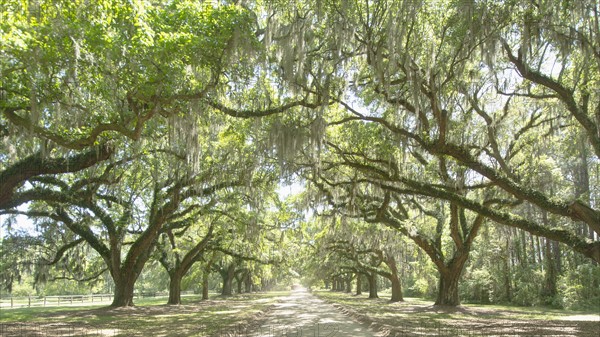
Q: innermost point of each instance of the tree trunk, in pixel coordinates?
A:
(175, 289)
(124, 285)
(326, 284)
(358, 284)
(373, 285)
(507, 273)
(206, 275)
(248, 283)
(394, 279)
(582, 181)
(396, 289)
(550, 290)
(227, 287)
(239, 285)
(205, 286)
(349, 283)
(523, 249)
(448, 287)
(228, 277)
(557, 257)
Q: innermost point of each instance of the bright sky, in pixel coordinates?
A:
(21, 223)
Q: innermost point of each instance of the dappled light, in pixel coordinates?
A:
(259, 168)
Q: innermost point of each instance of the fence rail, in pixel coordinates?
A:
(48, 301)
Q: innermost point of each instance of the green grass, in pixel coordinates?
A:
(422, 314)
(35, 314)
(148, 317)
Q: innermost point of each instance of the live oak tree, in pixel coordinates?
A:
(106, 77)
(123, 225)
(176, 259)
(221, 227)
(232, 153)
(369, 250)
(468, 113)
(20, 254)
(476, 95)
(317, 263)
(349, 178)
(252, 247)
(336, 250)
(78, 78)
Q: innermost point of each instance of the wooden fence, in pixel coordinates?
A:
(48, 301)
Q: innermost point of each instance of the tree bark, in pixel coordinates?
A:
(550, 290)
(373, 285)
(349, 283)
(205, 286)
(36, 165)
(506, 272)
(396, 290)
(448, 287)
(228, 276)
(248, 283)
(239, 285)
(227, 287)
(589, 249)
(124, 285)
(396, 284)
(358, 284)
(175, 289)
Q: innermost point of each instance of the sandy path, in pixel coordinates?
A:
(302, 314)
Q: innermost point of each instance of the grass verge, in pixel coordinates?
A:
(151, 317)
(416, 317)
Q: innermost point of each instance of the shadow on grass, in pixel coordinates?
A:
(201, 318)
(418, 317)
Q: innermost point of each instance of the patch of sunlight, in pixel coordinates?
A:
(177, 315)
(593, 318)
(225, 312)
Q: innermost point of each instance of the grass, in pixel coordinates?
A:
(421, 315)
(35, 314)
(148, 317)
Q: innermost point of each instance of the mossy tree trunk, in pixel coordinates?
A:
(124, 289)
(228, 275)
(372, 278)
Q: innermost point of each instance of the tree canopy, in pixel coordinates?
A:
(159, 131)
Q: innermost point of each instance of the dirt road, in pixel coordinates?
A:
(302, 314)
